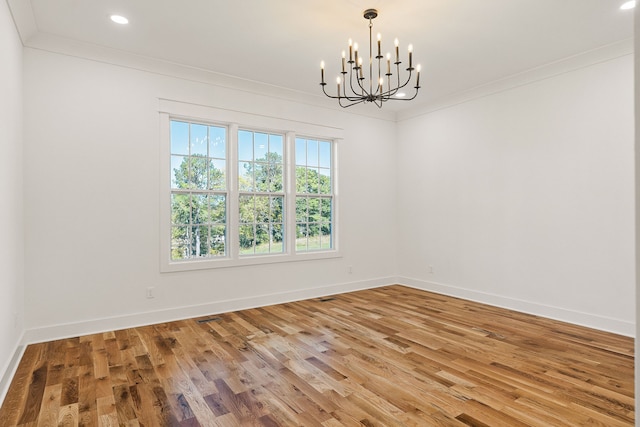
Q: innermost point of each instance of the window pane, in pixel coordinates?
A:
(247, 238)
(217, 209)
(275, 177)
(301, 237)
(245, 145)
(179, 243)
(217, 245)
(277, 235)
(326, 240)
(199, 139)
(199, 241)
(312, 181)
(247, 211)
(314, 236)
(217, 178)
(199, 209)
(179, 138)
(262, 238)
(301, 209)
(261, 176)
(325, 154)
(301, 179)
(245, 176)
(179, 171)
(180, 209)
(277, 208)
(301, 152)
(198, 172)
(325, 210)
(314, 209)
(324, 181)
(217, 142)
(275, 145)
(260, 146)
(262, 209)
(312, 153)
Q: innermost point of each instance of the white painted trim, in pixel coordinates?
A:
(23, 19)
(617, 326)
(9, 370)
(234, 120)
(67, 330)
(562, 66)
(264, 122)
(77, 49)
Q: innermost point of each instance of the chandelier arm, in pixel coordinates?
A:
(409, 99)
(357, 81)
(363, 92)
(353, 96)
(339, 96)
(359, 101)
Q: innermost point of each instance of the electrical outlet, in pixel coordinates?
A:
(431, 269)
(350, 269)
(150, 293)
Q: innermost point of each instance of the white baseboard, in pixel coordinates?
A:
(54, 332)
(575, 317)
(9, 370)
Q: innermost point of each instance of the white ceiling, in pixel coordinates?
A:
(460, 44)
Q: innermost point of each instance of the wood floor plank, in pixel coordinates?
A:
(391, 356)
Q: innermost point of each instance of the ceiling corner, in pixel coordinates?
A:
(23, 18)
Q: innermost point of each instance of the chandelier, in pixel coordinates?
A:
(357, 89)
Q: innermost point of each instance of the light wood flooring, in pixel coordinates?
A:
(391, 356)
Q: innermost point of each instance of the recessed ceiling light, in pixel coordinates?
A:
(628, 5)
(119, 19)
(400, 95)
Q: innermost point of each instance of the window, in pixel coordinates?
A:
(235, 194)
(261, 192)
(198, 191)
(314, 195)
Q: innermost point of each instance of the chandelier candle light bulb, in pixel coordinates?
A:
(397, 43)
(350, 51)
(410, 55)
(359, 88)
(355, 52)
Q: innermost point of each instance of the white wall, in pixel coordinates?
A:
(525, 198)
(11, 223)
(92, 198)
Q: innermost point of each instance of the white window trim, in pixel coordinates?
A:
(170, 110)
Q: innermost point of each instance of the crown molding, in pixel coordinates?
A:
(565, 65)
(106, 55)
(23, 19)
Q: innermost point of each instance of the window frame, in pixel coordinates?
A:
(235, 121)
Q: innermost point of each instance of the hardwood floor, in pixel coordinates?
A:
(391, 356)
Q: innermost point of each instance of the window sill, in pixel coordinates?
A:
(189, 265)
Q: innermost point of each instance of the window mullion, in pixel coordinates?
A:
(233, 205)
(290, 192)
